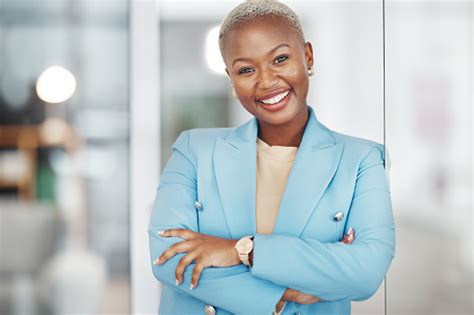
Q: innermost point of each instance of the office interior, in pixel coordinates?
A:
(72, 220)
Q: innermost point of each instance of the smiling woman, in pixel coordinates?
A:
(268, 65)
(280, 214)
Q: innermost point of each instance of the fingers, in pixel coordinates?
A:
(177, 247)
(183, 233)
(174, 249)
(279, 306)
(295, 296)
(184, 262)
(303, 298)
(312, 300)
(349, 237)
(197, 270)
(290, 295)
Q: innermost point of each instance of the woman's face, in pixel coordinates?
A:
(268, 67)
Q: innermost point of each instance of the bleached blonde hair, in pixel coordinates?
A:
(253, 9)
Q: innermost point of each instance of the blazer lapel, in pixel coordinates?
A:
(235, 162)
(314, 167)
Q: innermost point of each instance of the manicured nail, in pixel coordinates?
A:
(161, 233)
(191, 286)
(176, 282)
(156, 261)
(351, 231)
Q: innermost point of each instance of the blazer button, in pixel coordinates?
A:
(198, 205)
(209, 310)
(338, 216)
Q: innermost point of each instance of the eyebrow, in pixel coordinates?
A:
(271, 51)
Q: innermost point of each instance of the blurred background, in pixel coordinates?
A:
(64, 141)
(94, 92)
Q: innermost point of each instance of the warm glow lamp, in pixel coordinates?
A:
(55, 85)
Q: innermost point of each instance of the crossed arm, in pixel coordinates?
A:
(209, 251)
(327, 271)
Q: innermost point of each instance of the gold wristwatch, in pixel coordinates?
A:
(243, 247)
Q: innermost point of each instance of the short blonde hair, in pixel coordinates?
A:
(252, 9)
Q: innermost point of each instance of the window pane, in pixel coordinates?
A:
(64, 157)
(429, 137)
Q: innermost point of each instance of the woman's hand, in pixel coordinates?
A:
(206, 250)
(292, 295)
(349, 237)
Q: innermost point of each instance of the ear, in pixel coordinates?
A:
(308, 53)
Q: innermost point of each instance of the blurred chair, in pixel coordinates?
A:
(74, 282)
(37, 278)
(27, 241)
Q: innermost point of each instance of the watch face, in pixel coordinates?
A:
(247, 245)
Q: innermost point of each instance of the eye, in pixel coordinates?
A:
(245, 70)
(281, 59)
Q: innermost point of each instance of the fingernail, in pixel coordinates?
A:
(191, 286)
(176, 282)
(351, 231)
(161, 233)
(351, 237)
(156, 261)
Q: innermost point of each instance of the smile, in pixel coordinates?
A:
(275, 99)
(275, 103)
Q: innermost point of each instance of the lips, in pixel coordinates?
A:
(273, 97)
(276, 98)
(276, 102)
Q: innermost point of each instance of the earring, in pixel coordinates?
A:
(234, 94)
(311, 71)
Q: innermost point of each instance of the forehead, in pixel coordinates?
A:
(258, 35)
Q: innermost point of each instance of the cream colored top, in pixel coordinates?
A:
(273, 168)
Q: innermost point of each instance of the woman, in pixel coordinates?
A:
(249, 220)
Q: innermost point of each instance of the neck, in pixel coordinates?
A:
(289, 135)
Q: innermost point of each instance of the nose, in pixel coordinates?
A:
(267, 79)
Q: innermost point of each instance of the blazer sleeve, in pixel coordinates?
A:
(336, 271)
(234, 288)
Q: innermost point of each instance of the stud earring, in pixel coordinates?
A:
(311, 71)
(234, 94)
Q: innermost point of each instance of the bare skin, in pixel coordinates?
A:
(205, 250)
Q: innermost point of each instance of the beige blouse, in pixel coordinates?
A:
(273, 168)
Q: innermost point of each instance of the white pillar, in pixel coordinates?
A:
(144, 148)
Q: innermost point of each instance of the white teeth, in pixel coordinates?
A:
(276, 98)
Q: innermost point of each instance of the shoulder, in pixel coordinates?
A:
(359, 148)
(207, 135)
(197, 145)
(200, 138)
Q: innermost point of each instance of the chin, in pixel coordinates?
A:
(283, 116)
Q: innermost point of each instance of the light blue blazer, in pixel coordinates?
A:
(209, 185)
